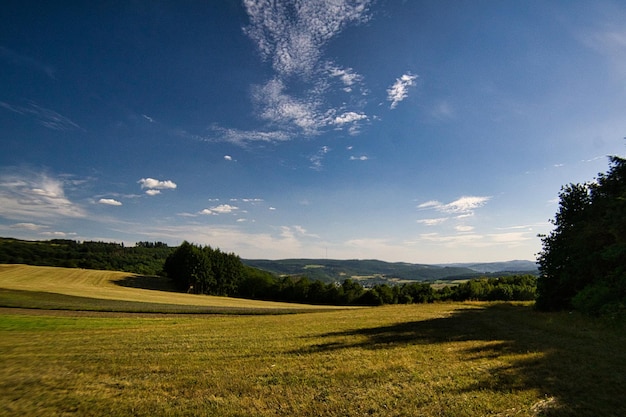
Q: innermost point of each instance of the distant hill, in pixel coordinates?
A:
(375, 271)
(492, 267)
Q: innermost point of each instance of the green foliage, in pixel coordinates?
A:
(145, 258)
(583, 261)
(510, 288)
(204, 270)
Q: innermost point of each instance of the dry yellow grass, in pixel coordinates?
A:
(472, 359)
(106, 285)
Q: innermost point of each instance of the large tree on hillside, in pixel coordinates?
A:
(204, 270)
(583, 261)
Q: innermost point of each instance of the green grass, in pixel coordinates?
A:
(116, 291)
(472, 359)
(90, 343)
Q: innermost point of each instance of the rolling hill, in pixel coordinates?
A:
(376, 271)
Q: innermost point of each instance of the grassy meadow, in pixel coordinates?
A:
(464, 359)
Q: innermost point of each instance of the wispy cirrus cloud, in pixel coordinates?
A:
(318, 158)
(31, 195)
(45, 117)
(292, 34)
(462, 207)
(308, 93)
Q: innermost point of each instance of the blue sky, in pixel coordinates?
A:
(416, 131)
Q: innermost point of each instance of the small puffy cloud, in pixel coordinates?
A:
(221, 209)
(228, 157)
(153, 187)
(400, 89)
(151, 183)
(464, 228)
(347, 76)
(109, 202)
(349, 117)
(359, 158)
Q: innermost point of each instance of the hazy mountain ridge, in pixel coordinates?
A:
(371, 269)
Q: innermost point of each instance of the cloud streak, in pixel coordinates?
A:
(45, 117)
(109, 202)
(400, 89)
(463, 206)
(35, 196)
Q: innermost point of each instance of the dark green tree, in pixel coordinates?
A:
(190, 269)
(583, 261)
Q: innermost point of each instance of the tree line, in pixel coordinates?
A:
(144, 258)
(583, 261)
(205, 270)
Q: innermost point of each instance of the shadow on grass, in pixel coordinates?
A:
(579, 364)
(147, 282)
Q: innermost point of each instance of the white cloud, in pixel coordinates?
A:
(154, 187)
(151, 183)
(464, 228)
(349, 117)
(400, 89)
(221, 209)
(285, 110)
(240, 137)
(359, 158)
(433, 222)
(291, 35)
(464, 206)
(28, 226)
(318, 158)
(430, 204)
(109, 202)
(29, 195)
(347, 76)
(58, 234)
(228, 157)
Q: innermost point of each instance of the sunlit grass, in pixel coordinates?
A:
(439, 359)
(119, 287)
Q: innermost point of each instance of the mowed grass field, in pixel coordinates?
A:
(465, 359)
(84, 289)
